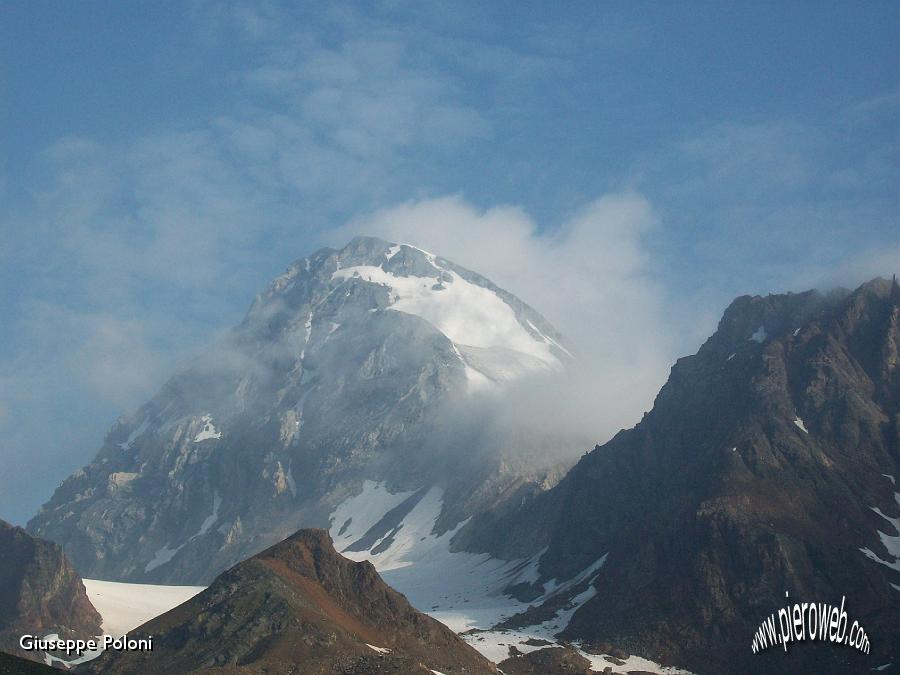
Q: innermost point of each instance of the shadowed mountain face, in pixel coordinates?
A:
(297, 607)
(768, 465)
(342, 371)
(40, 592)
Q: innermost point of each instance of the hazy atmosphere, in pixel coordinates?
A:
(627, 173)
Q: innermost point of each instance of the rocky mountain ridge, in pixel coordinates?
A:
(40, 593)
(297, 607)
(767, 466)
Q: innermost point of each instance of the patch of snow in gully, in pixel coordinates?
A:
(289, 474)
(209, 430)
(165, 554)
(162, 556)
(212, 518)
(890, 541)
(353, 518)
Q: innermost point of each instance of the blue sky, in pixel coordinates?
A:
(634, 165)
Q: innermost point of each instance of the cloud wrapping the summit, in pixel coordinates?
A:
(592, 278)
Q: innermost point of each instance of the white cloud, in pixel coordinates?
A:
(592, 278)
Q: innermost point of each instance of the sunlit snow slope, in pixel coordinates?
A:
(463, 590)
(124, 607)
(494, 343)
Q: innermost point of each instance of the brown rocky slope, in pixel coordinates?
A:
(40, 592)
(297, 607)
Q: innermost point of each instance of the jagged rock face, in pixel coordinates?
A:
(768, 464)
(298, 607)
(40, 592)
(339, 373)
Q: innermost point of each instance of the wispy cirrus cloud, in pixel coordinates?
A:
(779, 203)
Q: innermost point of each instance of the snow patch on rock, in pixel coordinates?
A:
(165, 554)
(209, 430)
(891, 542)
(162, 556)
(353, 518)
(211, 519)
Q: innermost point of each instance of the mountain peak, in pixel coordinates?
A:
(369, 239)
(494, 333)
(342, 372)
(298, 605)
(312, 538)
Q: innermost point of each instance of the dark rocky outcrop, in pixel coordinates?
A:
(757, 473)
(297, 607)
(13, 665)
(40, 592)
(556, 660)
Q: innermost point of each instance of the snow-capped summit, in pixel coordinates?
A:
(343, 371)
(495, 336)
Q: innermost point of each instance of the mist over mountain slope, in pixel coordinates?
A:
(374, 362)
